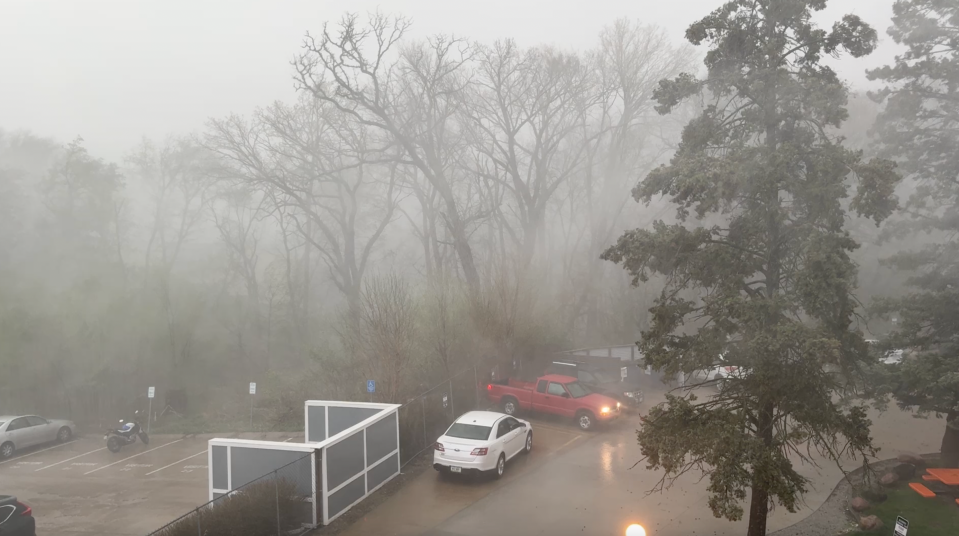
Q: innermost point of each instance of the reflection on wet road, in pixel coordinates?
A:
(591, 484)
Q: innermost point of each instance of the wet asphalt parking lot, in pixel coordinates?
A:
(576, 483)
(80, 487)
(573, 482)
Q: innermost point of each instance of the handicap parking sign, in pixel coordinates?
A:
(370, 386)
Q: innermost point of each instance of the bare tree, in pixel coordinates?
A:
(237, 214)
(379, 332)
(412, 94)
(177, 175)
(524, 109)
(321, 169)
(623, 139)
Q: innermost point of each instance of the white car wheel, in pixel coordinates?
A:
(64, 435)
(6, 450)
(529, 443)
(500, 466)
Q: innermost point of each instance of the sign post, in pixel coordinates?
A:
(901, 526)
(622, 374)
(371, 388)
(252, 392)
(150, 392)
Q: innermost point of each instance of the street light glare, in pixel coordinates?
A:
(635, 530)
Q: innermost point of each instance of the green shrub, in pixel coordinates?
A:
(248, 512)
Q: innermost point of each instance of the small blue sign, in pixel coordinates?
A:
(370, 386)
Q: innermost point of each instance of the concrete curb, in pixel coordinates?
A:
(834, 514)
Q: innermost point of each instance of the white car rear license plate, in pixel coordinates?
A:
(454, 469)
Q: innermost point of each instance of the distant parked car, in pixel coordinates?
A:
(17, 432)
(891, 357)
(715, 374)
(482, 441)
(16, 518)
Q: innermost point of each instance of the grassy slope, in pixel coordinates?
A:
(927, 517)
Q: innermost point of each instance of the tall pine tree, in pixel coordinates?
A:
(919, 127)
(759, 259)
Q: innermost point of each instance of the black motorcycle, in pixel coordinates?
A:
(127, 434)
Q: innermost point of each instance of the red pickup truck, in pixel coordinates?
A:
(556, 394)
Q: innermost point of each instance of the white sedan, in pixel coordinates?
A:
(481, 441)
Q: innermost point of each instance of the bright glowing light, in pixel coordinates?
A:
(635, 530)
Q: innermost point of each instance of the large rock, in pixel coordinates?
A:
(889, 479)
(870, 523)
(905, 471)
(859, 504)
(913, 458)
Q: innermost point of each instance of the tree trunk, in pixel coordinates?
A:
(758, 510)
(949, 451)
(759, 504)
(464, 251)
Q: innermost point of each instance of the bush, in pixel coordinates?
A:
(248, 512)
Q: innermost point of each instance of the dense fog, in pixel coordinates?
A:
(420, 205)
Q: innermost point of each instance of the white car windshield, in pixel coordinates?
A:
(468, 431)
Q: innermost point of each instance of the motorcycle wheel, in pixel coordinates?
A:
(113, 444)
(145, 438)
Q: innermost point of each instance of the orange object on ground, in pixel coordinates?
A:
(930, 478)
(922, 490)
(950, 477)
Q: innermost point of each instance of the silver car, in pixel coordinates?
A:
(18, 432)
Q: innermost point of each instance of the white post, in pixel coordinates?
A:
(150, 393)
(252, 395)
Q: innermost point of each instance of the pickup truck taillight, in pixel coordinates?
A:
(489, 386)
(479, 452)
(439, 446)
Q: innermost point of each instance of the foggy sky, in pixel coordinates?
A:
(114, 71)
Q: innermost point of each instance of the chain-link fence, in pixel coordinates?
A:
(272, 504)
(425, 417)
(88, 406)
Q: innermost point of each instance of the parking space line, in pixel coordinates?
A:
(555, 429)
(567, 443)
(174, 463)
(288, 439)
(69, 459)
(131, 457)
(37, 452)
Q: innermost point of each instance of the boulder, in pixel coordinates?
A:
(859, 504)
(870, 523)
(913, 458)
(889, 479)
(905, 471)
